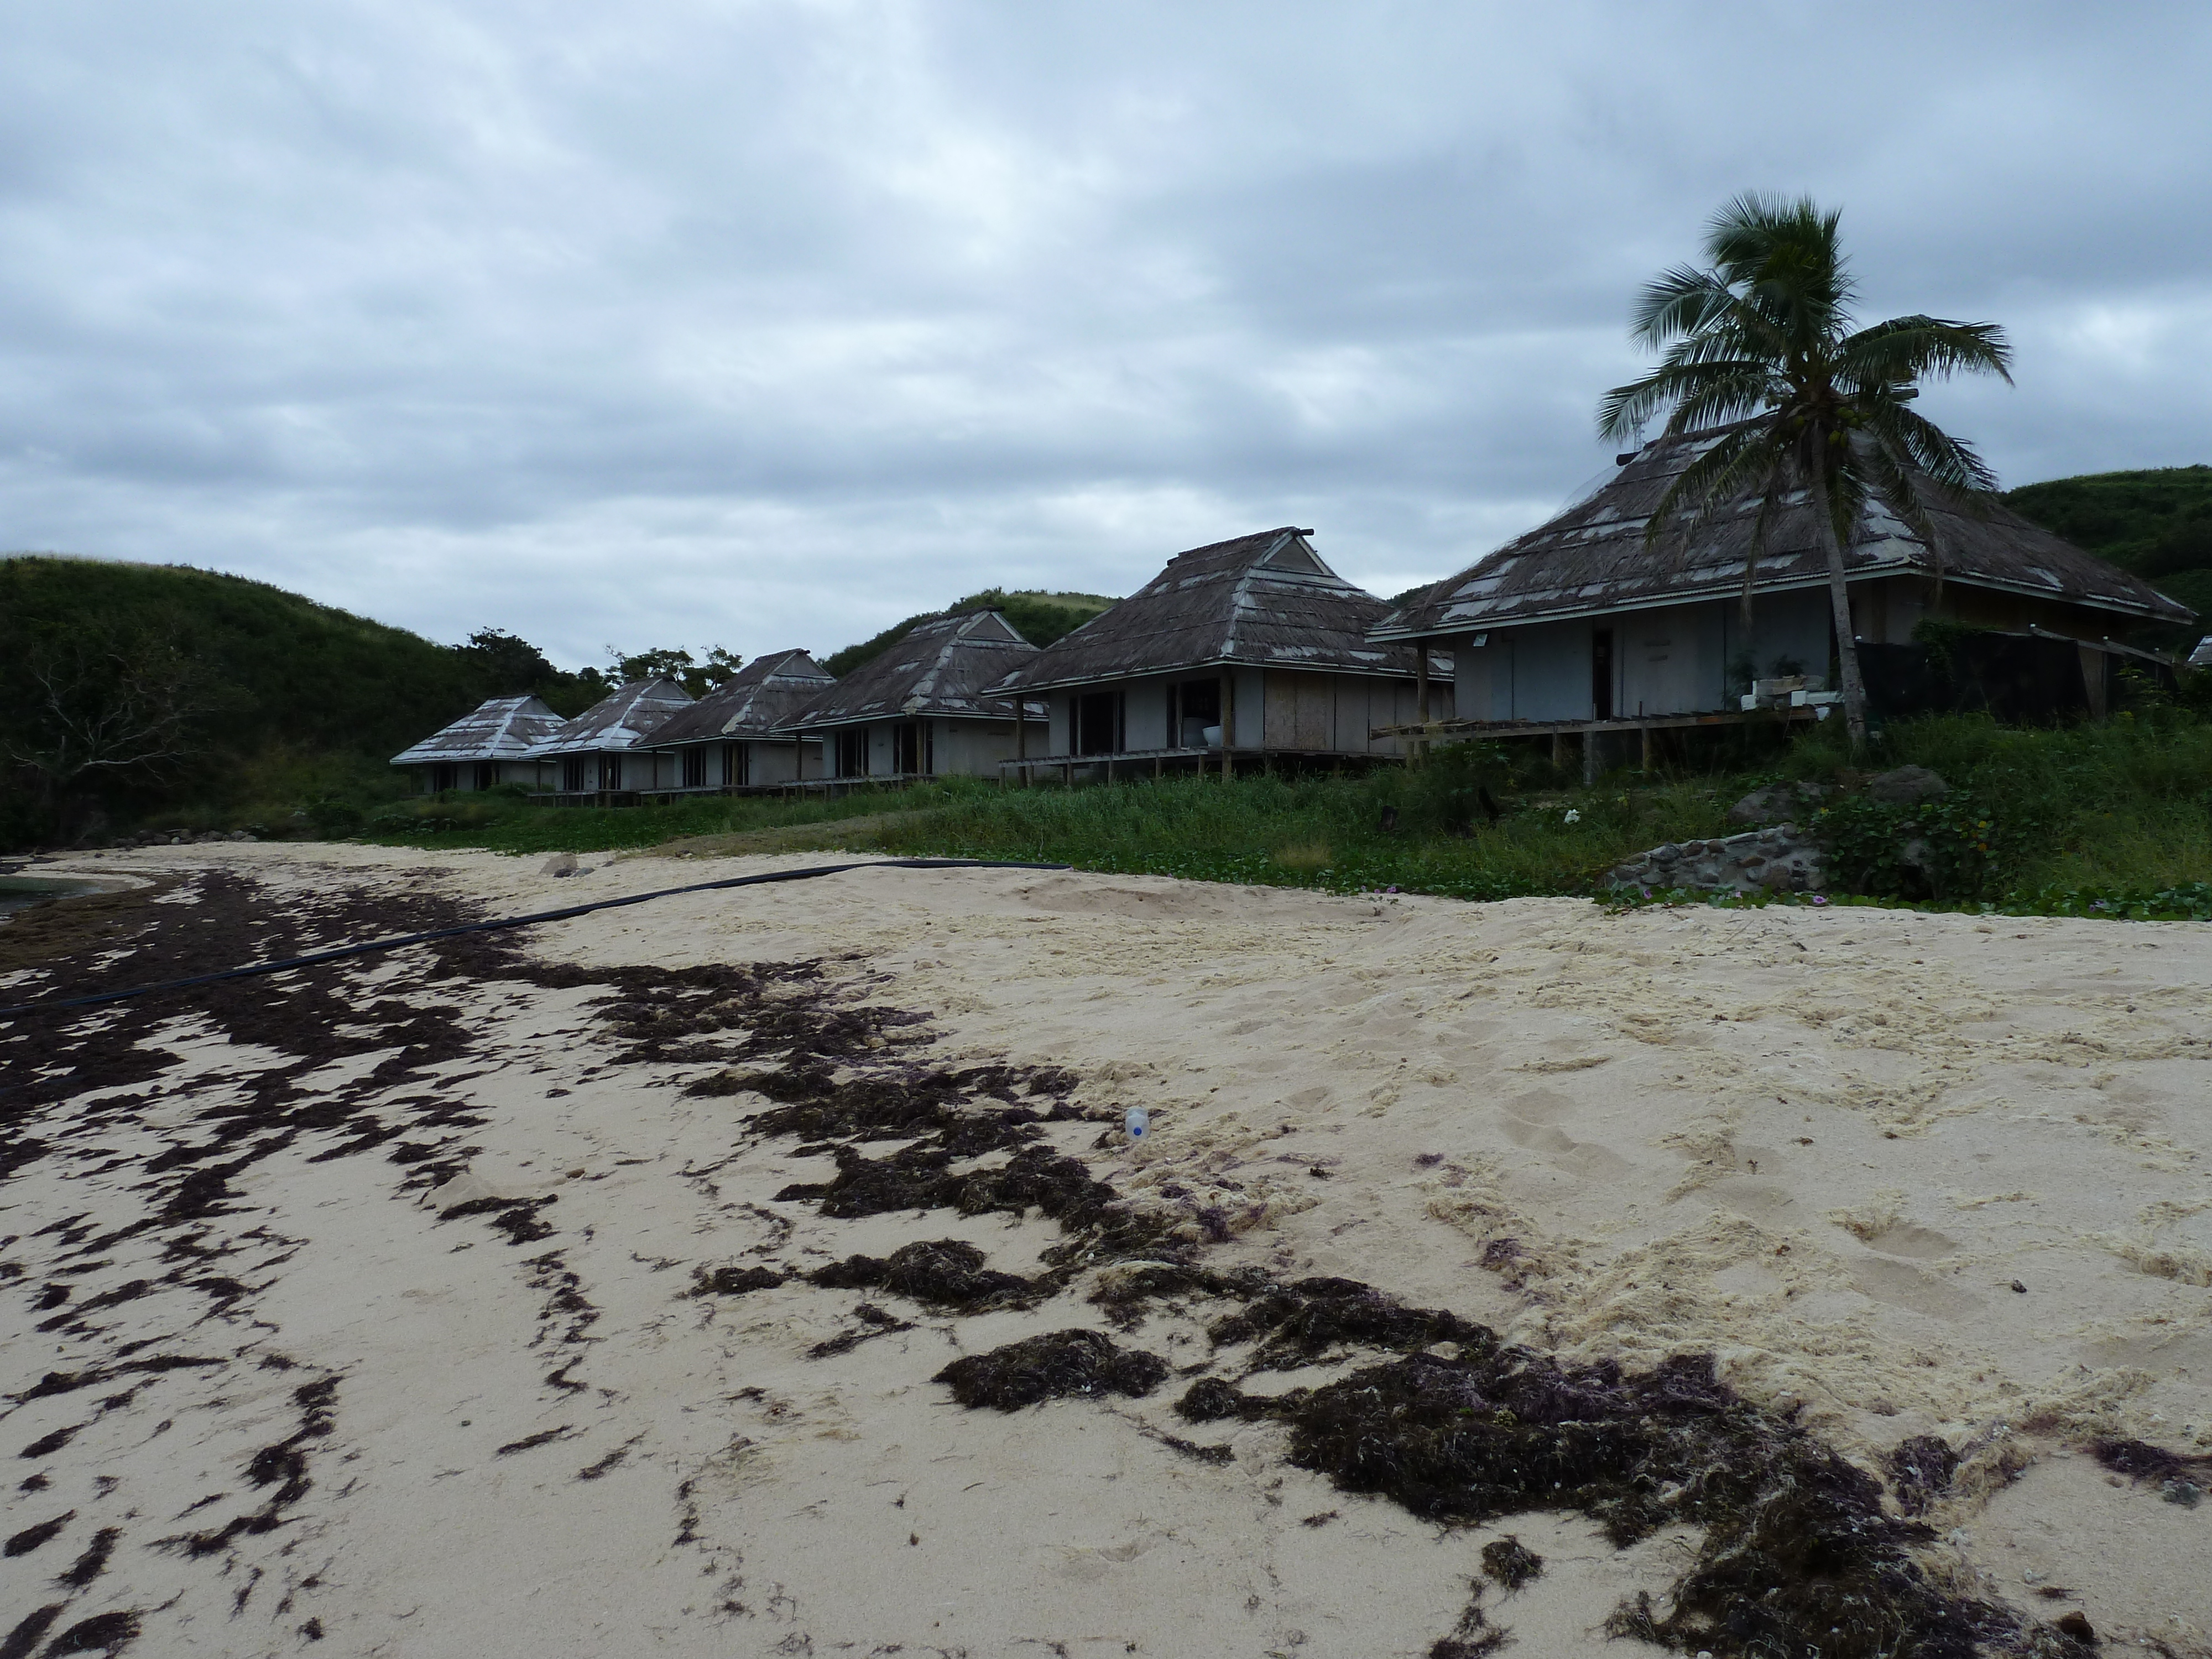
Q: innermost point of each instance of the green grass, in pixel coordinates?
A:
(500, 821)
(2093, 820)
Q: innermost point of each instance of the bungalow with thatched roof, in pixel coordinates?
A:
(602, 751)
(922, 708)
(1251, 646)
(1582, 624)
(729, 739)
(488, 745)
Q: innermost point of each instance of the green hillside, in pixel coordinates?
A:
(2157, 524)
(1039, 617)
(131, 689)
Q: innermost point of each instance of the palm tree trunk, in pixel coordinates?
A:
(1839, 607)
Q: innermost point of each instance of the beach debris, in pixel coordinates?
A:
(1137, 1123)
(1051, 1367)
(561, 864)
(2186, 1493)
(2021, 1288)
(2077, 1625)
(1511, 1562)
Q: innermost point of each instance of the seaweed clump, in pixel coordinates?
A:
(1920, 1469)
(1051, 1367)
(946, 1270)
(1297, 1323)
(1798, 1553)
(1511, 1562)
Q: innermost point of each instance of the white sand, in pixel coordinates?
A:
(1824, 1145)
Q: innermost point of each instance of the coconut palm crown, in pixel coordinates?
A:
(1762, 345)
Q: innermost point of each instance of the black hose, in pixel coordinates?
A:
(345, 951)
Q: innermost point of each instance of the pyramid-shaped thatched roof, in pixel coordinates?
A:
(505, 728)
(1594, 558)
(1264, 600)
(943, 667)
(623, 719)
(754, 701)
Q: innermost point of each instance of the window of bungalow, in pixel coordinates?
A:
(695, 769)
(737, 768)
(852, 752)
(610, 771)
(443, 778)
(572, 775)
(1098, 723)
(1197, 705)
(913, 751)
(487, 774)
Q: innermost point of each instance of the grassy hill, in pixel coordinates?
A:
(210, 693)
(1039, 617)
(2157, 524)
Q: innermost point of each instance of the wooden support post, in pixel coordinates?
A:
(1647, 751)
(1228, 724)
(1559, 747)
(1420, 746)
(1589, 755)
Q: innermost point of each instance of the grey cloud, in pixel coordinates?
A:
(768, 324)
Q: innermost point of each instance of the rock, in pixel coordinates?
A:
(561, 864)
(1908, 785)
(1776, 803)
(1780, 858)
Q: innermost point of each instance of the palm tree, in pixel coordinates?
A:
(1762, 345)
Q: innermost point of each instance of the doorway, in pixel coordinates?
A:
(1601, 673)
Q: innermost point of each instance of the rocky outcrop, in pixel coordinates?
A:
(1781, 859)
(1779, 803)
(1908, 785)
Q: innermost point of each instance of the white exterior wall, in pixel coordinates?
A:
(1145, 713)
(1670, 659)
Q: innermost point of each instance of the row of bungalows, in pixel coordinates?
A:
(1251, 648)
(1588, 625)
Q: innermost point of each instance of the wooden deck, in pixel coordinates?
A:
(1589, 731)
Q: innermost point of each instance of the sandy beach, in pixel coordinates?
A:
(471, 1299)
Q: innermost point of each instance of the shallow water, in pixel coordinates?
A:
(21, 892)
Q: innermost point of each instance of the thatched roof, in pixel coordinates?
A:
(758, 698)
(1592, 558)
(623, 719)
(1265, 600)
(505, 728)
(942, 668)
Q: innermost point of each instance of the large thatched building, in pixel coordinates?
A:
(1584, 622)
(488, 745)
(734, 737)
(923, 708)
(601, 753)
(1247, 648)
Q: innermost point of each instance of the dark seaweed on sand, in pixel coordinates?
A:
(1511, 1562)
(1051, 1367)
(946, 1270)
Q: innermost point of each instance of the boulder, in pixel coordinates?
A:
(1781, 858)
(1908, 785)
(561, 864)
(1775, 803)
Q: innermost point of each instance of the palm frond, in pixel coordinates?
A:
(1904, 351)
(1678, 302)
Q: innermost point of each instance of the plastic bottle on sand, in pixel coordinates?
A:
(1138, 1122)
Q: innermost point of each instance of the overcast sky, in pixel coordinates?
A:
(768, 324)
